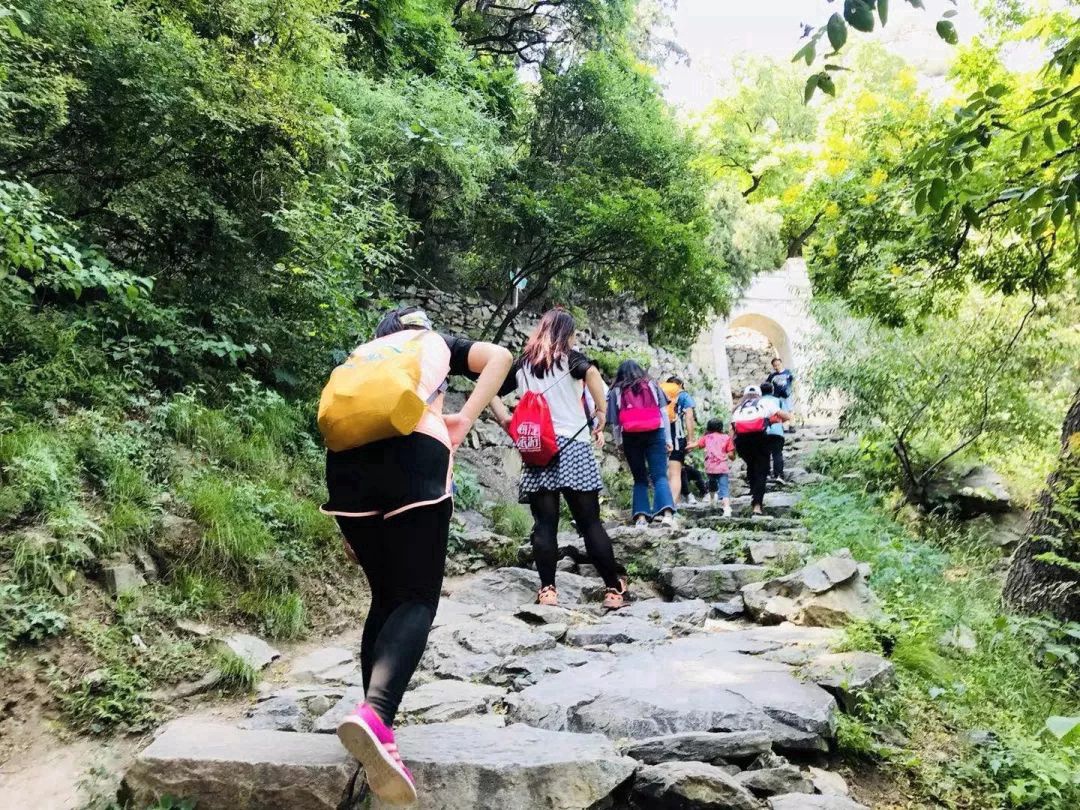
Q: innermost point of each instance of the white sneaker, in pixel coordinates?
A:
(727, 511)
(668, 520)
(690, 498)
(641, 522)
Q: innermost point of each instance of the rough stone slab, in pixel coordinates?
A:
(453, 612)
(666, 614)
(514, 768)
(510, 588)
(615, 629)
(445, 700)
(775, 781)
(225, 768)
(551, 614)
(828, 592)
(687, 684)
(308, 666)
(784, 643)
(526, 670)
(712, 582)
(777, 504)
(690, 785)
(252, 649)
(701, 746)
(328, 722)
(802, 801)
(766, 552)
(277, 714)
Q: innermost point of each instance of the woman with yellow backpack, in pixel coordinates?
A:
(388, 473)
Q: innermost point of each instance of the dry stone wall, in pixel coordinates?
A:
(749, 354)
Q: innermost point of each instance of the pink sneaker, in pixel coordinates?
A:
(371, 741)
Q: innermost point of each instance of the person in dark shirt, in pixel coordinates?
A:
(782, 381)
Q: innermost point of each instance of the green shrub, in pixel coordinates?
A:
(467, 492)
(609, 362)
(26, 618)
(38, 472)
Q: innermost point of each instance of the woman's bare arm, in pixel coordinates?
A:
(492, 363)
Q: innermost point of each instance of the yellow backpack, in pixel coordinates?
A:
(671, 391)
(374, 394)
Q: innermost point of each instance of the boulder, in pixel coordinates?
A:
(802, 801)
(711, 582)
(716, 748)
(978, 490)
(849, 675)
(784, 643)
(476, 649)
(775, 781)
(827, 593)
(688, 786)
(688, 684)
(224, 768)
(251, 649)
(514, 768)
(444, 700)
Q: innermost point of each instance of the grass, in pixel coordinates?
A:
(280, 613)
(510, 520)
(227, 509)
(931, 577)
(236, 673)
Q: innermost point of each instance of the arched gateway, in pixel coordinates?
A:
(776, 307)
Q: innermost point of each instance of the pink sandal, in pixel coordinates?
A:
(548, 596)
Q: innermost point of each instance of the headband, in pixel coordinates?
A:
(417, 318)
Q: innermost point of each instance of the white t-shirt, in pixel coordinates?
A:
(563, 386)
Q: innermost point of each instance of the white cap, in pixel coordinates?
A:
(751, 391)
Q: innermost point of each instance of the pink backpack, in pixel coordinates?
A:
(639, 410)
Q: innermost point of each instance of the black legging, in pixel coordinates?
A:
(753, 448)
(776, 451)
(585, 507)
(403, 558)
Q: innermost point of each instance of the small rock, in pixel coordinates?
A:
(122, 578)
(277, 714)
(194, 628)
(960, 638)
(556, 631)
(768, 552)
(94, 679)
(827, 782)
(147, 564)
(251, 649)
(710, 582)
(328, 722)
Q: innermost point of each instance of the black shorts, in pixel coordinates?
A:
(387, 477)
(678, 452)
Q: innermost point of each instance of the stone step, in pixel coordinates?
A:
(455, 766)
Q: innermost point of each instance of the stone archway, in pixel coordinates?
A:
(776, 305)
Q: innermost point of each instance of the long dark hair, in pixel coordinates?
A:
(391, 321)
(629, 374)
(549, 342)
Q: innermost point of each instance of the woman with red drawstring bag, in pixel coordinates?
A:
(552, 431)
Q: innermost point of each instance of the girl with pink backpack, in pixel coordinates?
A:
(636, 409)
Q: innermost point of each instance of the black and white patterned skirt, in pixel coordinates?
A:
(575, 467)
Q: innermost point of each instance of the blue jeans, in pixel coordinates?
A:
(720, 484)
(647, 456)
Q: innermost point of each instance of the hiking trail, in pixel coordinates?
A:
(716, 687)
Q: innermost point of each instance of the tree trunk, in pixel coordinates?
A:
(1045, 573)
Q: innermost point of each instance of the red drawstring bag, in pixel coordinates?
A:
(532, 431)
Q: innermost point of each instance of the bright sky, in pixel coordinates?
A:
(713, 32)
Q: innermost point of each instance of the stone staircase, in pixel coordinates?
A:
(716, 688)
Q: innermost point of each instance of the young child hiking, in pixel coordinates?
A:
(680, 413)
(719, 450)
(552, 431)
(388, 470)
(637, 409)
